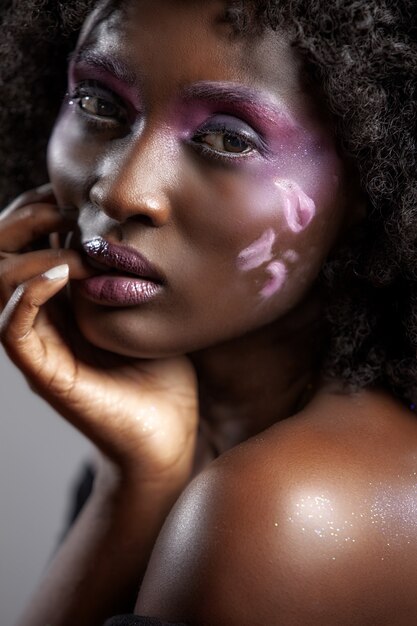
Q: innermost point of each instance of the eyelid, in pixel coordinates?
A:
(99, 88)
(94, 89)
(220, 155)
(223, 126)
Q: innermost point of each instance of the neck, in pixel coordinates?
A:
(249, 383)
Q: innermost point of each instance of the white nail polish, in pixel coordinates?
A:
(57, 273)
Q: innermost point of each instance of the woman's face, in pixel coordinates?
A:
(202, 152)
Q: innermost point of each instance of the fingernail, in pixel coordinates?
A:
(57, 273)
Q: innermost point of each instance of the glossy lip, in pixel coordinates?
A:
(126, 278)
(119, 291)
(106, 255)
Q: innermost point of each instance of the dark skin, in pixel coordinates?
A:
(239, 233)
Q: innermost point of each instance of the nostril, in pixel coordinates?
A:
(146, 220)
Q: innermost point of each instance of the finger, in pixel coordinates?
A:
(17, 331)
(44, 193)
(26, 224)
(18, 269)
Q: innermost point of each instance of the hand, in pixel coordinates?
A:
(141, 414)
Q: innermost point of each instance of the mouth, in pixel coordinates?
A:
(124, 278)
(123, 260)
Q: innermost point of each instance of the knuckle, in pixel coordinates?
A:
(27, 212)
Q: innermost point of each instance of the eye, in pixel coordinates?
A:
(225, 142)
(99, 104)
(227, 137)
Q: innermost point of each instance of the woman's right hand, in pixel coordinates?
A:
(141, 414)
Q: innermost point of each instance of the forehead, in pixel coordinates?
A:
(192, 40)
(170, 44)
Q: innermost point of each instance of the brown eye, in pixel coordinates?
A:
(232, 143)
(98, 106)
(226, 142)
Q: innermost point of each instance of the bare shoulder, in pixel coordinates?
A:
(313, 521)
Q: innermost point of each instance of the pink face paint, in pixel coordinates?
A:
(278, 273)
(258, 253)
(291, 256)
(298, 208)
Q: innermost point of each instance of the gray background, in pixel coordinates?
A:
(40, 458)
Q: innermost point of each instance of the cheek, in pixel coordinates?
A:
(258, 253)
(70, 160)
(277, 275)
(261, 254)
(297, 213)
(297, 207)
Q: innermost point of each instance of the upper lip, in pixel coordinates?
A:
(122, 258)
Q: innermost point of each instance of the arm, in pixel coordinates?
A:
(99, 568)
(142, 417)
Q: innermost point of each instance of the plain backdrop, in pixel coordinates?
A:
(40, 459)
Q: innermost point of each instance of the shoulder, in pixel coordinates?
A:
(312, 521)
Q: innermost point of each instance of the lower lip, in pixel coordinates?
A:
(119, 290)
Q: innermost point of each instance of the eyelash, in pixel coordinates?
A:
(210, 152)
(93, 89)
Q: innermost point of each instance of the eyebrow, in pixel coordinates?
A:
(253, 101)
(104, 62)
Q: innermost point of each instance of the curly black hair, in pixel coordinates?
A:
(363, 56)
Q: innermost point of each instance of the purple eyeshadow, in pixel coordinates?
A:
(254, 105)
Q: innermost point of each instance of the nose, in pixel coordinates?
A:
(134, 185)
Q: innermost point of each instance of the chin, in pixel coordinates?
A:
(116, 338)
(146, 333)
(114, 330)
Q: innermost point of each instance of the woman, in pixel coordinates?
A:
(231, 211)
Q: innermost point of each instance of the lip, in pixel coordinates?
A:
(126, 277)
(111, 256)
